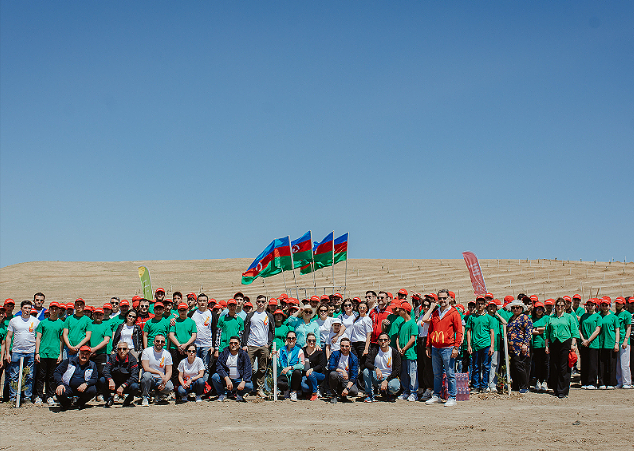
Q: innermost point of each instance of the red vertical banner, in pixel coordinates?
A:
(477, 280)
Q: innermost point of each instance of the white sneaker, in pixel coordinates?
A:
(99, 398)
(145, 402)
(50, 402)
(293, 396)
(199, 399)
(590, 387)
(38, 401)
(412, 397)
(427, 395)
(611, 387)
(487, 390)
(433, 400)
(450, 402)
(116, 398)
(603, 387)
(627, 386)
(584, 387)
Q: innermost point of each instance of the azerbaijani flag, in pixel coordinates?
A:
(341, 248)
(302, 253)
(274, 259)
(323, 252)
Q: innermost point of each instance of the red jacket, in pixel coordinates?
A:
(445, 332)
(377, 317)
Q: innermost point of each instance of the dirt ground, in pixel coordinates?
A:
(587, 420)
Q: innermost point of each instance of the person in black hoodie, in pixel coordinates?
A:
(120, 375)
(315, 364)
(382, 367)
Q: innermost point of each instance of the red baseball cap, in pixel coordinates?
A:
(549, 302)
(98, 310)
(211, 301)
(279, 312)
(283, 296)
(53, 304)
(160, 290)
(135, 304)
(108, 306)
(620, 300)
(390, 295)
(89, 308)
(85, 348)
(182, 306)
(577, 296)
(488, 295)
(9, 301)
(159, 304)
(356, 299)
(509, 298)
(217, 306)
(33, 311)
(402, 291)
(534, 298)
(232, 302)
(124, 302)
(406, 306)
(314, 298)
(539, 304)
(460, 307)
(452, 295)
(480, 296)
(70, 305)
(567, 298)
(417, 296)
(135, 298)
(338, 295)
(497, 302)
(273, 302)
(80, 300)
(433, 295)
(325, 297)
(248, 304)
(591, 301)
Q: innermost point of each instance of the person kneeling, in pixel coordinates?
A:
(157, 371)
(233, 371)
(120, 376)
(382, 367)
(344, 370)
(76, 377)
(190, 375)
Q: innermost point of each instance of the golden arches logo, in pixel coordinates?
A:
(435, 336)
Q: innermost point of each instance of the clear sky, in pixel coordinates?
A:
(194, 130)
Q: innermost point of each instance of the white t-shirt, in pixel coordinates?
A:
(126, 335)
(383, 362)
(422, 327)
(334, 346)
(23, 334)
(232, 364)
(344, 363)
(157, 360)
(203, 328)
(347, 321)
(360, 329)
(190, 370)
(324, 330)
(259, 334)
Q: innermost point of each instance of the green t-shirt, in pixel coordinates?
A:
(3, 334)
(154, 327)
(480, 327)
(113, 327)
(408, 330)
(539, 341)
(580, 311)
(609, 324)
(230, 326)
(77, 328)
(99, 332)
(505, 314)
(561, 328)
(280, 335)
(498, 331)
(587, 325)
(183, 329)
(51, 337)
(395, 326)
(625, 318)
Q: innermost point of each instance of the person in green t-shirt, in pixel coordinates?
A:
(406, 345)
(158, 325)
(480, 329)
(48, 353)
(589, 330)
(100, 336)
(181, 334)
(394, 321)
(577, 308)
(281, 329)
(623, 374)
(230, 325)
(498, 329)
(77, 328)
(538, 346)
(609, 337)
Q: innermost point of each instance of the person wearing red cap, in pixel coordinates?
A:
(576, 306)
(443, 345)
(610, 339)
(181, 334)
(561, 336)
(76, 376)
(159, 296)
(48, 353)
(9, 305)
(259, 331)
(623, 374)
(589, 330)
(206, 325)
(425, 371)
(77, 328)
(480, 336)
(229, 325)
(99, 339)
(406, 346)
(20, 342)
(156, 325)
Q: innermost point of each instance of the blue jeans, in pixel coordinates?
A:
(481, 368)
(205, 355)
(198, 387)
(14, 373)
(150, 382)
(441, 358)
(370, 380)
(311, 383)
(409, 376)
(219, 385)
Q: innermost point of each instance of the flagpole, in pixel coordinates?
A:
(345, 277)
(267, 290)
(312, 262)
(284, 277)
(293, 266)
(333, 262)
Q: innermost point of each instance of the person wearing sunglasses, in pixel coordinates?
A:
(259, 332)
(131, 333)
(360, 333)
(291, 366)
(315, 366)
(379, 316)
(190, 375)
(519, 333)
(233, 371)
(120, 376)
(562, 332)
(382, 368)
(157, 371)
(303, 324)
(343, 371)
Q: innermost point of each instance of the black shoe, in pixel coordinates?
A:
(128, 400)
(333, 400)
(109, 402)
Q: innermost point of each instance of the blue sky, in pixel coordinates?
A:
(194, 130)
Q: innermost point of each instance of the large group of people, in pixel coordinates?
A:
(379, 348)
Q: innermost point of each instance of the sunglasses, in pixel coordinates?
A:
(191, 351)
(382, 340)
(235, 343)
(347, 305)
(159, 342)
(311, 341)
(122, 349)
(442, 298)
(291, 338)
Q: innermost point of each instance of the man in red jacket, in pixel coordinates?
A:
(444, 338)
(378, 315)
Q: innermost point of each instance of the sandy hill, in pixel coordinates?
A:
(97, 281)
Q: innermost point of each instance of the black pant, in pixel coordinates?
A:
(100, 361)
(607, 367)
(519, 374)
(559, 369)
(296, 381)
(425, 371)
(84, 397)
(338, 383)
(176, 359)
(541, 360)
(589, 365)
(357, 349)
(45, 371)
(131, 390)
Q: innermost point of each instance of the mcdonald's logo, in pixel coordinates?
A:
(438, 336)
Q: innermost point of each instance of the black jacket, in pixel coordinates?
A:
(247, 328)
(244, 364)
(122, 372)
(396, 361)
(137, 337)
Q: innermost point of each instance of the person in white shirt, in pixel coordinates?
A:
(21, 330)
(259, 331)
(382, 368)
(360, 332)
(334, 338)
(190, 375)
(233, 371)
(157, 371)
(205, 325)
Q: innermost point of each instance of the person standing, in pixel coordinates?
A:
(538, 347)
(623, 374)
(229, 325)
(444, 338)
(480, 335)
(205, 332)
(407, 349)
(259, 332)
(589, 330)
(156, 325)
(379, 316)
(182, 334)
(610, 339)
(562, 333)
(77, 328)
(20, 343)
(48, 353)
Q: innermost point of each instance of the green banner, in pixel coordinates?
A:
(144, 275)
